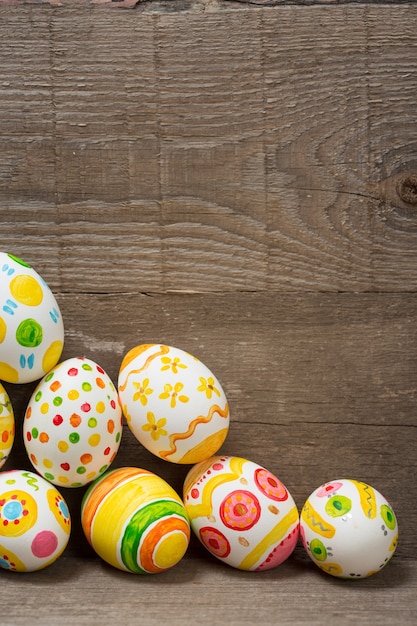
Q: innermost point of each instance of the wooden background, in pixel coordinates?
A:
(239, 181)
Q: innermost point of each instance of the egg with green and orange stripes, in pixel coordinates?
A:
(135, 521)
(31, 326)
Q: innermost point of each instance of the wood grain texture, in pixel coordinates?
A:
(223, 151)
(239, 181)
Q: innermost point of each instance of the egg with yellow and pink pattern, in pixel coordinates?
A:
(348, 529)
(173, 404)
(73, 424)
(7, 426)
(31, 326)
(35, 522)
(241, 513)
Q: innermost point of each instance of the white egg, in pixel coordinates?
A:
(31, 326)
(241, 513)
(173, 403)
(73, 423)
(35, 522)
(348, 529)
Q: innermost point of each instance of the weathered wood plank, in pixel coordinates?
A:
(224, 151)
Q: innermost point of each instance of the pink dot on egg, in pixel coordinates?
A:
(217, 466)
(73, 371)
(44, 544)
(86, 407)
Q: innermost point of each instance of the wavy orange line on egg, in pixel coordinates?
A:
(208, 446)
(152, 357)
(274, 536)
(155, 534)
(202, 419)
(204, 509)
(367, 498)
(99, 491)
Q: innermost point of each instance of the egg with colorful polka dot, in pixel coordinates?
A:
(135, 521)
(241, 513)
(35, 522)
(348, 529)
(7, 426)
(31, 326)
(173, 404)
(73, 423)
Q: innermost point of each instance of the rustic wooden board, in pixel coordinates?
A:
(224, 150)
(238, 181)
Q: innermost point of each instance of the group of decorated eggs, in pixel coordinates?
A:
(176, 408)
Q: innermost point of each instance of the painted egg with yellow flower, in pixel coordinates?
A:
(173, 404)
(31, 326)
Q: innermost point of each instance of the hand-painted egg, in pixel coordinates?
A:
(73, 423)
(173, 404)
(241, 513)
(348, 529)
(35, 523)
(7, 428)
(31, 327)
(135, 521)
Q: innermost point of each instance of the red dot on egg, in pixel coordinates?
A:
(99, 369)
(58, 419)
(65, 466)
(194, 493)
(73, 371)
(86, 407)
(107, 451)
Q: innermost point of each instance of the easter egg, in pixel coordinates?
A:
(348, 529)
(173, 404)
(31, 327)
(241, 513)
(73, 423)
(35, 523)
(135, 521)
(7, 429)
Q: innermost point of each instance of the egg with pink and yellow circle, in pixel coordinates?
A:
(35, 523)
(241, 512)
(73, 423)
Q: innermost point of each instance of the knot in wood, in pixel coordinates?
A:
(407, 188)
